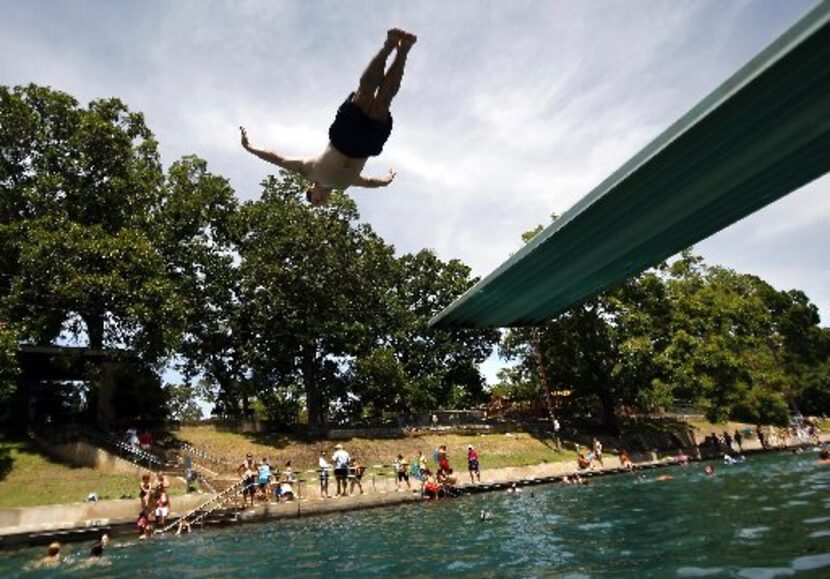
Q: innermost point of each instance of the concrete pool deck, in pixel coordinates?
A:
(84, 521)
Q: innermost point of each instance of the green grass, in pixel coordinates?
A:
(28, 478)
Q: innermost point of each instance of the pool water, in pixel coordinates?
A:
(767, 517)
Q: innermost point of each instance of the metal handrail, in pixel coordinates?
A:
(219, 499)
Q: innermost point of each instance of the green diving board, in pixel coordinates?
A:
(762, 134)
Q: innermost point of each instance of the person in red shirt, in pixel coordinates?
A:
(472, 464)
(145, 439)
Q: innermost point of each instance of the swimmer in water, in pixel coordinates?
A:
(710, 470)
(52, 557)
(824, 456)
(664, 477)
(97, 549)
(513, 488)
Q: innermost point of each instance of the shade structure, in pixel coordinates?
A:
(762, 134)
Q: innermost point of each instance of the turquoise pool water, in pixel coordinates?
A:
(767, 517)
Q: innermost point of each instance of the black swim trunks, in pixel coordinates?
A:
(357, 135)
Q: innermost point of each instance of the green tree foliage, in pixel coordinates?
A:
(602, 351)
(195, 230)
(78, 191)
(441, 365)
(313, 284)
(686, 331)
(745, 349)
(181, 403)
(325, 305)
(9, 369)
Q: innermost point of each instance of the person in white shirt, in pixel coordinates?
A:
(360, 129)
(324, 476)
(340, 458)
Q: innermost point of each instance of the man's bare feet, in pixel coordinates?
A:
(393, 38)
(401, 36)
(395, 34)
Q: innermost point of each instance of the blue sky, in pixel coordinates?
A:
(509, 111)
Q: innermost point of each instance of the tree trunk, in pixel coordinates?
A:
(609, 414)
(95, 330)
(315, 404)
(543, 377)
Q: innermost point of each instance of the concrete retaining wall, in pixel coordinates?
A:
(84, 454)
(73, 515)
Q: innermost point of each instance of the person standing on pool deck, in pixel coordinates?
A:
(247, 471)
(324, 476)
(472, 464)
(340, 458)
(401, 472)
(443, 458)
(598, 452)
(360, 129)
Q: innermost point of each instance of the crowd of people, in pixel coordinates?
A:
(260, 482)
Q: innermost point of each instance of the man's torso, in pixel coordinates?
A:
(333, 169)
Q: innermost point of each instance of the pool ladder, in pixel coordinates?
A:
(205, 509)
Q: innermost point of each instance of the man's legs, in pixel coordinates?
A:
(391, 83)
(376, 90)
(373, 75)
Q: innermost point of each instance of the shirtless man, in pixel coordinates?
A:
(360, 129)
(247, 471)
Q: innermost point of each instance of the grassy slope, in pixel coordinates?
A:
(496, 450)
(33, 479)
(27, 478)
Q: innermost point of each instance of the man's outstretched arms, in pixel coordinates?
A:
(296, 165)
(374, 182)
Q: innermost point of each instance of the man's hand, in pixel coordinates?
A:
(375, 182)
(244, 137)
